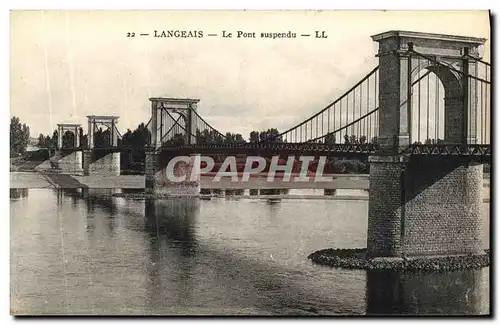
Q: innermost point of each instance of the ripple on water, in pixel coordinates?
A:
(206, 257)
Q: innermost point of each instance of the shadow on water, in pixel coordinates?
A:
(239, 281)
(170, 225)
(73, 193)
(100, 198)
(180, 265)
(18, 193)
(450, 293)
(266, 286)
(174, 221)
(176, 257)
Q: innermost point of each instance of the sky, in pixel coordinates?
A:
(66, 65)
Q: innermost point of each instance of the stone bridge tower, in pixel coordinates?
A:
(425, 205)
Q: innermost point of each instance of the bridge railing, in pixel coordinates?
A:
(307, 147)
(482, 152)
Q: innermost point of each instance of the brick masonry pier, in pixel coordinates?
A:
(159, 182)
(104, 165)
(68, 163)
(424, 206)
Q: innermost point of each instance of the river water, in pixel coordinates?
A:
(81, 253)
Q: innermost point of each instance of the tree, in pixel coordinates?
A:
(102, 138)
(141, 136)
(233, 138)
(254, 137)
(68, 140)
(269, 135)
(238, 138)
(19, 137)
(46, 142)
(126, 138)
(82, 143)
(49, 144)
(41, 141)
(209, 137)
(362, 139)
(177, 140)
(346, 139)
(330, 138)
(136, 141)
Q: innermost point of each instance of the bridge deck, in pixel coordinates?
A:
(481, 151)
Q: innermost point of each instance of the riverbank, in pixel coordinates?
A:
(358, 259)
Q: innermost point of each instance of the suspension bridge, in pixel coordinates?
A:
(445, 110)
(442, 118)
(422, 117)
(444, 107)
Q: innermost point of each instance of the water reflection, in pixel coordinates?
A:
(170, 224)
(73, 193)
(18, 193)
(274, 206)
(450, 293)
(100, 197)
(103, 199)
(174, 220)
(190, 256)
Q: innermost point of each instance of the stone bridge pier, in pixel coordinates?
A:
(170, 173)
(463, 292)
(103, 160)
(424, 205)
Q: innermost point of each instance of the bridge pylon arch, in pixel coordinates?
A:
(452, 58)
(160, 114)
(105, 160)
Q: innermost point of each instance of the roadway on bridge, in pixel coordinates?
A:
(46, 180)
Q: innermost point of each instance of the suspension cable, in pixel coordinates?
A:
(329, 105)
(448, 67)
(345, 126)
(179, 125)
(366, 115)
(173, 125)
(209, 126)
(478, 60)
